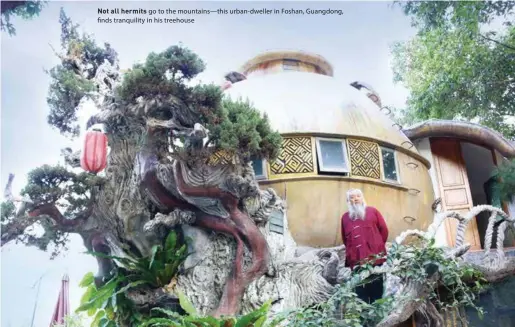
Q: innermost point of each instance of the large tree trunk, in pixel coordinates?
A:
(238, 225)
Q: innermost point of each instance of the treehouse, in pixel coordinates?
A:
(334, 138)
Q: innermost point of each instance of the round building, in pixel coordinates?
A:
(334, 138)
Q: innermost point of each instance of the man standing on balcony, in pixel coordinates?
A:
(364, 233)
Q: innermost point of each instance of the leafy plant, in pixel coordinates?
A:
(459, 284)
(162, 317)
(415, 263)
(454, 70)
(109, 304)
(157, 269)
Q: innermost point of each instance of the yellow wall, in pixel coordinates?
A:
(316, 202)
(315, 206)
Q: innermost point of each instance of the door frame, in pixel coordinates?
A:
(450, 234)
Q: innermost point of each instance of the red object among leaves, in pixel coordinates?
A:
(62, 308)
(94, 152)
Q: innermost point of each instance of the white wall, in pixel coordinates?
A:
(424, 148)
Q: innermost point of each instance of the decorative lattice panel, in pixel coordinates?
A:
(220, 157)
(364, 159)
(296, 156)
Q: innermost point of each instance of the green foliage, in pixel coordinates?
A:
(162, 317)
(23, 9)
(452, 70)
(416, 264)
(245, 129)
(71, 80)
(233, 126)
(7, 211)
(108, 303)
(461, 14)
(67, 190)
(506, 175)
(56, 184)
(162, 74)
(66, 91)
(460, 283)
(157, 269)
(456, 286)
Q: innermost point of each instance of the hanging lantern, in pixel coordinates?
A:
(94, 152)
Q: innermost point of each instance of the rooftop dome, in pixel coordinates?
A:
(276, 61)
(298, 101)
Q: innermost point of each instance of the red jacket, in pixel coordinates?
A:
(364, 238)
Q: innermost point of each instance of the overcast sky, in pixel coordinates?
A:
(356, 43)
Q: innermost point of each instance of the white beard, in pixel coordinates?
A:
(357, 211)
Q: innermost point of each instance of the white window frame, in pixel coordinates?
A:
(398, 180)
(345, 157)
(265, 171)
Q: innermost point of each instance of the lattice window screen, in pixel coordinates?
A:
(364, 158)
(296, 156)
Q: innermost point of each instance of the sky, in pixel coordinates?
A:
(356, 43)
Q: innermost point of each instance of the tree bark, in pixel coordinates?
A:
(246, 230)
(239, 226)
(19, 223)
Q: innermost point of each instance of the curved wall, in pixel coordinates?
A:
(300, 102)
(315, 202)
(306, 105)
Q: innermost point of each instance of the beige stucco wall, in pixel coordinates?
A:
(315, 204)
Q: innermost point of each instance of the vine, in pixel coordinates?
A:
(411, 263)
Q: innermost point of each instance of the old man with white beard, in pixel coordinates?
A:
(364, 233)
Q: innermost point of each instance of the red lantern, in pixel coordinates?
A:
(94, 152)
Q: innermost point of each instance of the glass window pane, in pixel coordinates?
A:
(257, 164)
(332, 154)
(389, 166)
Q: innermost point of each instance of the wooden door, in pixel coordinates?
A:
(454, 188)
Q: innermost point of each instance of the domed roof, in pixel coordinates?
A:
(324, 67)
(303, 102)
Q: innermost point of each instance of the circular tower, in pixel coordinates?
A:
(334, 138)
